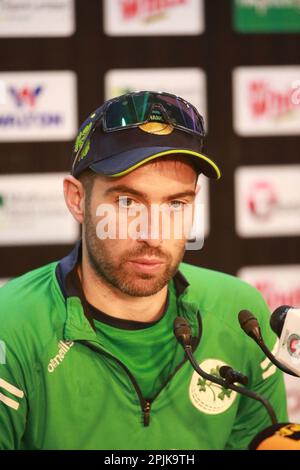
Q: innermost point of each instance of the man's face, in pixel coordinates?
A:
(142, 260)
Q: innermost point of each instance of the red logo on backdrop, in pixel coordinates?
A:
(265, 102)
(136, 8)
(262, 199)
(275, 296)
(25, 96)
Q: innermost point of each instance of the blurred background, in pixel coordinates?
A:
(237, 61)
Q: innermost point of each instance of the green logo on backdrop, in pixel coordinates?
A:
(269, 16)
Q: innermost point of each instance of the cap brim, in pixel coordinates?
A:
(125, 162)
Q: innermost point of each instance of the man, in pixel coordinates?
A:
(91, 358)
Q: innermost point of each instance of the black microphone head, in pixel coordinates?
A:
(224, 370)
(278, 318)
(182, 331)
(247, 321)
(250, 325)
(228, 373)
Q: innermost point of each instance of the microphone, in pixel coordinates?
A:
(183, 334)
(231, 376)
(281, 436)
(250, 325)
(285, 322)
(278, 318)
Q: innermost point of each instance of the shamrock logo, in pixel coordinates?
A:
(204, 384)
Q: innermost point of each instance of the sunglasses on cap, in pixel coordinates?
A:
(135, 109)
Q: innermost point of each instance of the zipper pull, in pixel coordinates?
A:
(146, 411)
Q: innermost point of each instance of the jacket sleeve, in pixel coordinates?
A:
(266, 380)
(13, 398)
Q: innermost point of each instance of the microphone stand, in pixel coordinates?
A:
(250, 326)
(182, 333)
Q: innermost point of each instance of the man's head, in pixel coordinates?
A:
(130, 191)
(138, 204)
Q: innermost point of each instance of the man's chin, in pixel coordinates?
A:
(142, 284)
(141, 290)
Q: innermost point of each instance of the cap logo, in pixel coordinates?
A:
(158, 128)
(80, 139)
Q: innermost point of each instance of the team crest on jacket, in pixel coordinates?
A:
(206, 396)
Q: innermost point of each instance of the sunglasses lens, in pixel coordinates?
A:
(128, 110)
(135, 109)
(182, 114)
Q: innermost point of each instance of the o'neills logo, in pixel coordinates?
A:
(147, 8)
(64, 347)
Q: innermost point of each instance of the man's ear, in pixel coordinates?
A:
(74, 197)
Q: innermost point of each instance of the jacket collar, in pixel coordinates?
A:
(80, 323)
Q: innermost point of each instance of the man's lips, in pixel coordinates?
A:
(147, 261)
(146, 265)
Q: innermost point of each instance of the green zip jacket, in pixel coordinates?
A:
(60, 389)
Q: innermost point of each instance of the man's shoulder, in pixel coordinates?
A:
(27, 298)
(214, 280)
(222, 294)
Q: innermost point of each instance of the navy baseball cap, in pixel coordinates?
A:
(113, 140)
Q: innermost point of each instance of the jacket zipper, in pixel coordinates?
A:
(144, 402)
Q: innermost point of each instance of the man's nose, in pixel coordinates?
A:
(152, 236)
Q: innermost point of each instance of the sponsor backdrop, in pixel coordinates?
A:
(237, 61)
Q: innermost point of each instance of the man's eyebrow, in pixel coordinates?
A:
(122, 188)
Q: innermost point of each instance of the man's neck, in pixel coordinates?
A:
(115, 303)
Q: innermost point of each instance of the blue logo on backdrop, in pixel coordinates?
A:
(25, 101)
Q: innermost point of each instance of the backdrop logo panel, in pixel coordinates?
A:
(38, 106)
(277, 16)
(33, 210)
(279, 285)
(37, 18)
(267, 200)
(266, 100)
(146, 18)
